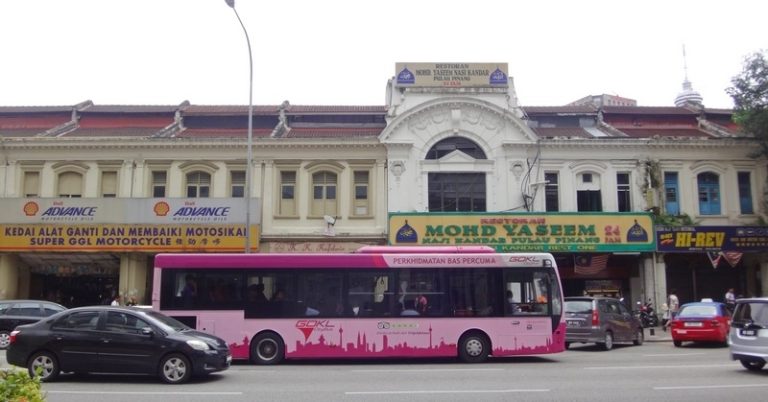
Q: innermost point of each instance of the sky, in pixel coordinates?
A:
(342, 52)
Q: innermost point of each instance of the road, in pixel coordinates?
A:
(655, 371)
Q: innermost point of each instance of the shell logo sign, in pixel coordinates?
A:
(31, 208)
(162, 208)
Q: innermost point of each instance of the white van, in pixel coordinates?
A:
(748, 337)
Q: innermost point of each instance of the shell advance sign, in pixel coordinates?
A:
(123, 224)
(556, 232)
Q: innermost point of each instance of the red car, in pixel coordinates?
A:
(701, 322)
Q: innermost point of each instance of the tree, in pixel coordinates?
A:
(750, 96)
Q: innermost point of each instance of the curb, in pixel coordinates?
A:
(658, 336)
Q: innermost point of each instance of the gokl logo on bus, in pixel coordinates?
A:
(309, 326)
(523, 259)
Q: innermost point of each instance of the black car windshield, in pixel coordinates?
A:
(579, 307)
(170, 323)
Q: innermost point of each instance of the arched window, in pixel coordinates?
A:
(451, 144)
(70, 185)
(198, 185)
(324, 200)
(709, 193)
(459, 191)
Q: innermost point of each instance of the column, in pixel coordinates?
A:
(133, 278)
(763, 278)
(9, 277)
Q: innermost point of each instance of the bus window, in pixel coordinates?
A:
(370, 294)
(420, 290)
(319, 294)
(280, 290)
(474, 292)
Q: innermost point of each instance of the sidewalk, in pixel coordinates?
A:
(657, 334)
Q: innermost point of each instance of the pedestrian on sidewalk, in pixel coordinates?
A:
(674, 305)
(730, 299)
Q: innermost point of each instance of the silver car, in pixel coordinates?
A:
(600, 320)
(748, 337)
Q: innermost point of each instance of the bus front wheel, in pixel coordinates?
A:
(474, 348)
(267, 348)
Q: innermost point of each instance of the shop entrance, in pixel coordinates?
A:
(73, 280)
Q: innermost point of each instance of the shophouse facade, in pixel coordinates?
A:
(451, 158)
(91, 193)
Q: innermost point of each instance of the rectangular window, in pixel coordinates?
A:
(589, 201)
(709, 193)
(109, 184)
(586, 178)
(324, 194)
(622, 192)
(159, 180)
(361, 201)
(287, 205)
(745, 193)
(551, 192)
(31, 184)
(671, 191)
(70, 185)
(238, 184)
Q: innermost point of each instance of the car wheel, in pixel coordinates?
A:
(639, 337)
(267, 348)
(474, 348)
(607, 343)
(44, 366)
(677, 343)
(5, 339)
(752, 365)
(175, 368)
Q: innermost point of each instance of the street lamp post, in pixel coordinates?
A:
(249, 157)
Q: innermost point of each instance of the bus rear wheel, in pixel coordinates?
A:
(474, 348)
(267, 349)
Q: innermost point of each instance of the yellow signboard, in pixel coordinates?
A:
(124, 237)
(557, 232)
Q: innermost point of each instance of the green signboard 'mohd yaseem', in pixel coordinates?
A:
(557, 232)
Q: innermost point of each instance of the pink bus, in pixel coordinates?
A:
(378, 302)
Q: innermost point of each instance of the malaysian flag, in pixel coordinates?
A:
(732, 257)
(590, 264)
(714, 258)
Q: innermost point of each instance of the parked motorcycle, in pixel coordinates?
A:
(647, 314)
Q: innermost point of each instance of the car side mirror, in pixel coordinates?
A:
(147, 331)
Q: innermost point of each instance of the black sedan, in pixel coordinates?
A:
(104, 339)
(19, 312)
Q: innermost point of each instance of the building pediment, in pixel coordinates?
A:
(454, 116)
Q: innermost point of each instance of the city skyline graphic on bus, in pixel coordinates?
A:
(422, 343)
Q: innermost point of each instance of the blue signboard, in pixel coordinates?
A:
(711, 238)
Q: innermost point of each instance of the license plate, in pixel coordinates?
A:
(572, 323)
(748, 332)
(693, 324)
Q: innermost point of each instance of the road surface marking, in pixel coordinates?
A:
(47, 391)
(422, 370)
(679, 366)
(708, 387)
(426, 392)
(674, 355)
